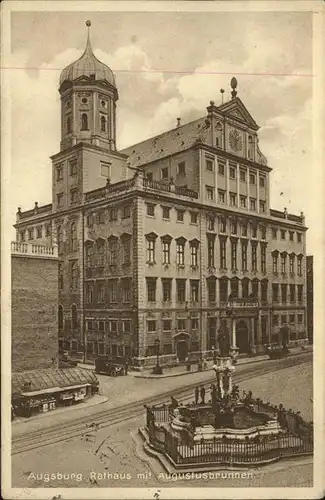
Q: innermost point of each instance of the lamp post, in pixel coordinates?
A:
(157, 369)
(157, 344)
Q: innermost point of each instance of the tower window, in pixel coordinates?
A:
(84, 121)
(84, 100)
(103, 124)
(69, 124)
(103, 103)
(105, 169)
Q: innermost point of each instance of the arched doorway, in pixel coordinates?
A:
(182, 346)
(242, 336)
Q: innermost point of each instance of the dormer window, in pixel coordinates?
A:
(84, 121)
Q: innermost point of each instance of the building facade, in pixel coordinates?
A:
(170, 238)
(34, 306)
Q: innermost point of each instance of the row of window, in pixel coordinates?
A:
(182, 324)
(72, 236)
(283, 235)
(35, 232)
(295, 293)
(99, 217)
(84, 125)
(234, 255)
(112, 326)
(73, 198)
(73, 323)
(222, 170)
(194, 253)
(73, 169)
(283, 318)
(293, 259)
(181, 291)
(109, 292)
(234, 199)
(117, 252)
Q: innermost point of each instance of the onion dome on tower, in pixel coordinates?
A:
(87, 66)
(88, 102)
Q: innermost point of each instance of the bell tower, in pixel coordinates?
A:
(88, 102)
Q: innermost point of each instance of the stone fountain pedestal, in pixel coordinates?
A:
(224, 369)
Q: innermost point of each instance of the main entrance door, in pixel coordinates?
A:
(242, 337)
(182, 350)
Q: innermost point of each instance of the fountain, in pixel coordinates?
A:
(227, 429)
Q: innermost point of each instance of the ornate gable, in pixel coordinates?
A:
(237, 110)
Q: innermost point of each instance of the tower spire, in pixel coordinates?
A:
(88, 45)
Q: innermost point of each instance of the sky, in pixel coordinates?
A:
(168, 65)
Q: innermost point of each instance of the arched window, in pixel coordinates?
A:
(103, 124)
(74, 275)
(245, 288)
(234, 282)
(69, 124)
(250, 147)
(100, 252)
(255, 288)
(89, 255)
(73, 237)
(60, 317)
(74, 316)
(59, 235)
(84, 121)
(223, 289)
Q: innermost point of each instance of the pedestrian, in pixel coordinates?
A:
(126, 368)
(196, 395)
(205, 364)
(202, 392)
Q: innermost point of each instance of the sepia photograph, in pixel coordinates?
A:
(162, 220)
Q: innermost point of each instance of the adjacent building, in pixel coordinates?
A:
(310, 296)
(34, 306)
(163, 242)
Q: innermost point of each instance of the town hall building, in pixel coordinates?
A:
(162, 243)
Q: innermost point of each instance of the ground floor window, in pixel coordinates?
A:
(151, 350)
(167, 349)
(74, 345)
(212, 327)
(264, 330)
(195, 346)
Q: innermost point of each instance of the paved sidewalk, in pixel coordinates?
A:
(181, 370)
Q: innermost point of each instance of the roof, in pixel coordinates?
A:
(175, 140)
(86, 66)
(51, 378)
(183, 137)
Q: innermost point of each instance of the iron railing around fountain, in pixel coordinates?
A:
(225, 451)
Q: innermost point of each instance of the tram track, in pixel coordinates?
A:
(85, 425)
